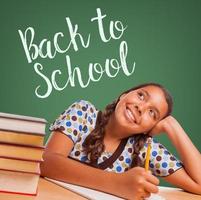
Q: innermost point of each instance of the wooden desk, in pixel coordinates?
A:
(50, 191)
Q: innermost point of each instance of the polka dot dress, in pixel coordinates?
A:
(162, 162)
(79, 120)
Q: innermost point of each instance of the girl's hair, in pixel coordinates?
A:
(93, 144)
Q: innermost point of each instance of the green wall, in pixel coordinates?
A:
(163, 39)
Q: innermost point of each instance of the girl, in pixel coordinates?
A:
(106, 150)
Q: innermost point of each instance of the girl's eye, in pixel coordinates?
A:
(141, 96)
(152, 113)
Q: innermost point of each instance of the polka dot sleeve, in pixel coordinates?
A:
(162, 162)
(72, 122)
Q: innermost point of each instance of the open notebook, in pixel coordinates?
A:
(94, 194)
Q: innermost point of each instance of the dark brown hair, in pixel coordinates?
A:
(93, 144)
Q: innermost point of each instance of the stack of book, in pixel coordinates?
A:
(21, 149)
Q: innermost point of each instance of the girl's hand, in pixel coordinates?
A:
(137, 184)
(163, 125)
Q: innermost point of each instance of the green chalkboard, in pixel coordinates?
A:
(156, 41)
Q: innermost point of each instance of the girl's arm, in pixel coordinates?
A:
(133, 184)
(189, 177)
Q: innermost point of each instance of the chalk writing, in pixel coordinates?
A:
(48, 49)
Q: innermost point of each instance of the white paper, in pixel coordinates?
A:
(94, 194)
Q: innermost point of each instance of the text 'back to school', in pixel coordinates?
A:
(47, 49)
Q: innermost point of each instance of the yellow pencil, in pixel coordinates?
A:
(148, 154)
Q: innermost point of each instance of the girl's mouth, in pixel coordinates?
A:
(130, 115)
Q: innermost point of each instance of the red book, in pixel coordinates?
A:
(18, 182)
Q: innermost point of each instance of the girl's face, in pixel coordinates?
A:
(139, 110)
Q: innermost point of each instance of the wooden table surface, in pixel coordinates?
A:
(50, 191)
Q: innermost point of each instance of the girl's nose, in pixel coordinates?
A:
(138, 108)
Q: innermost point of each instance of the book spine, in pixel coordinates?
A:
(22, 132)
(23, 159)
(23, 118)
(4, 157)
(10, 170)
(22, 145)
(21, 125)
